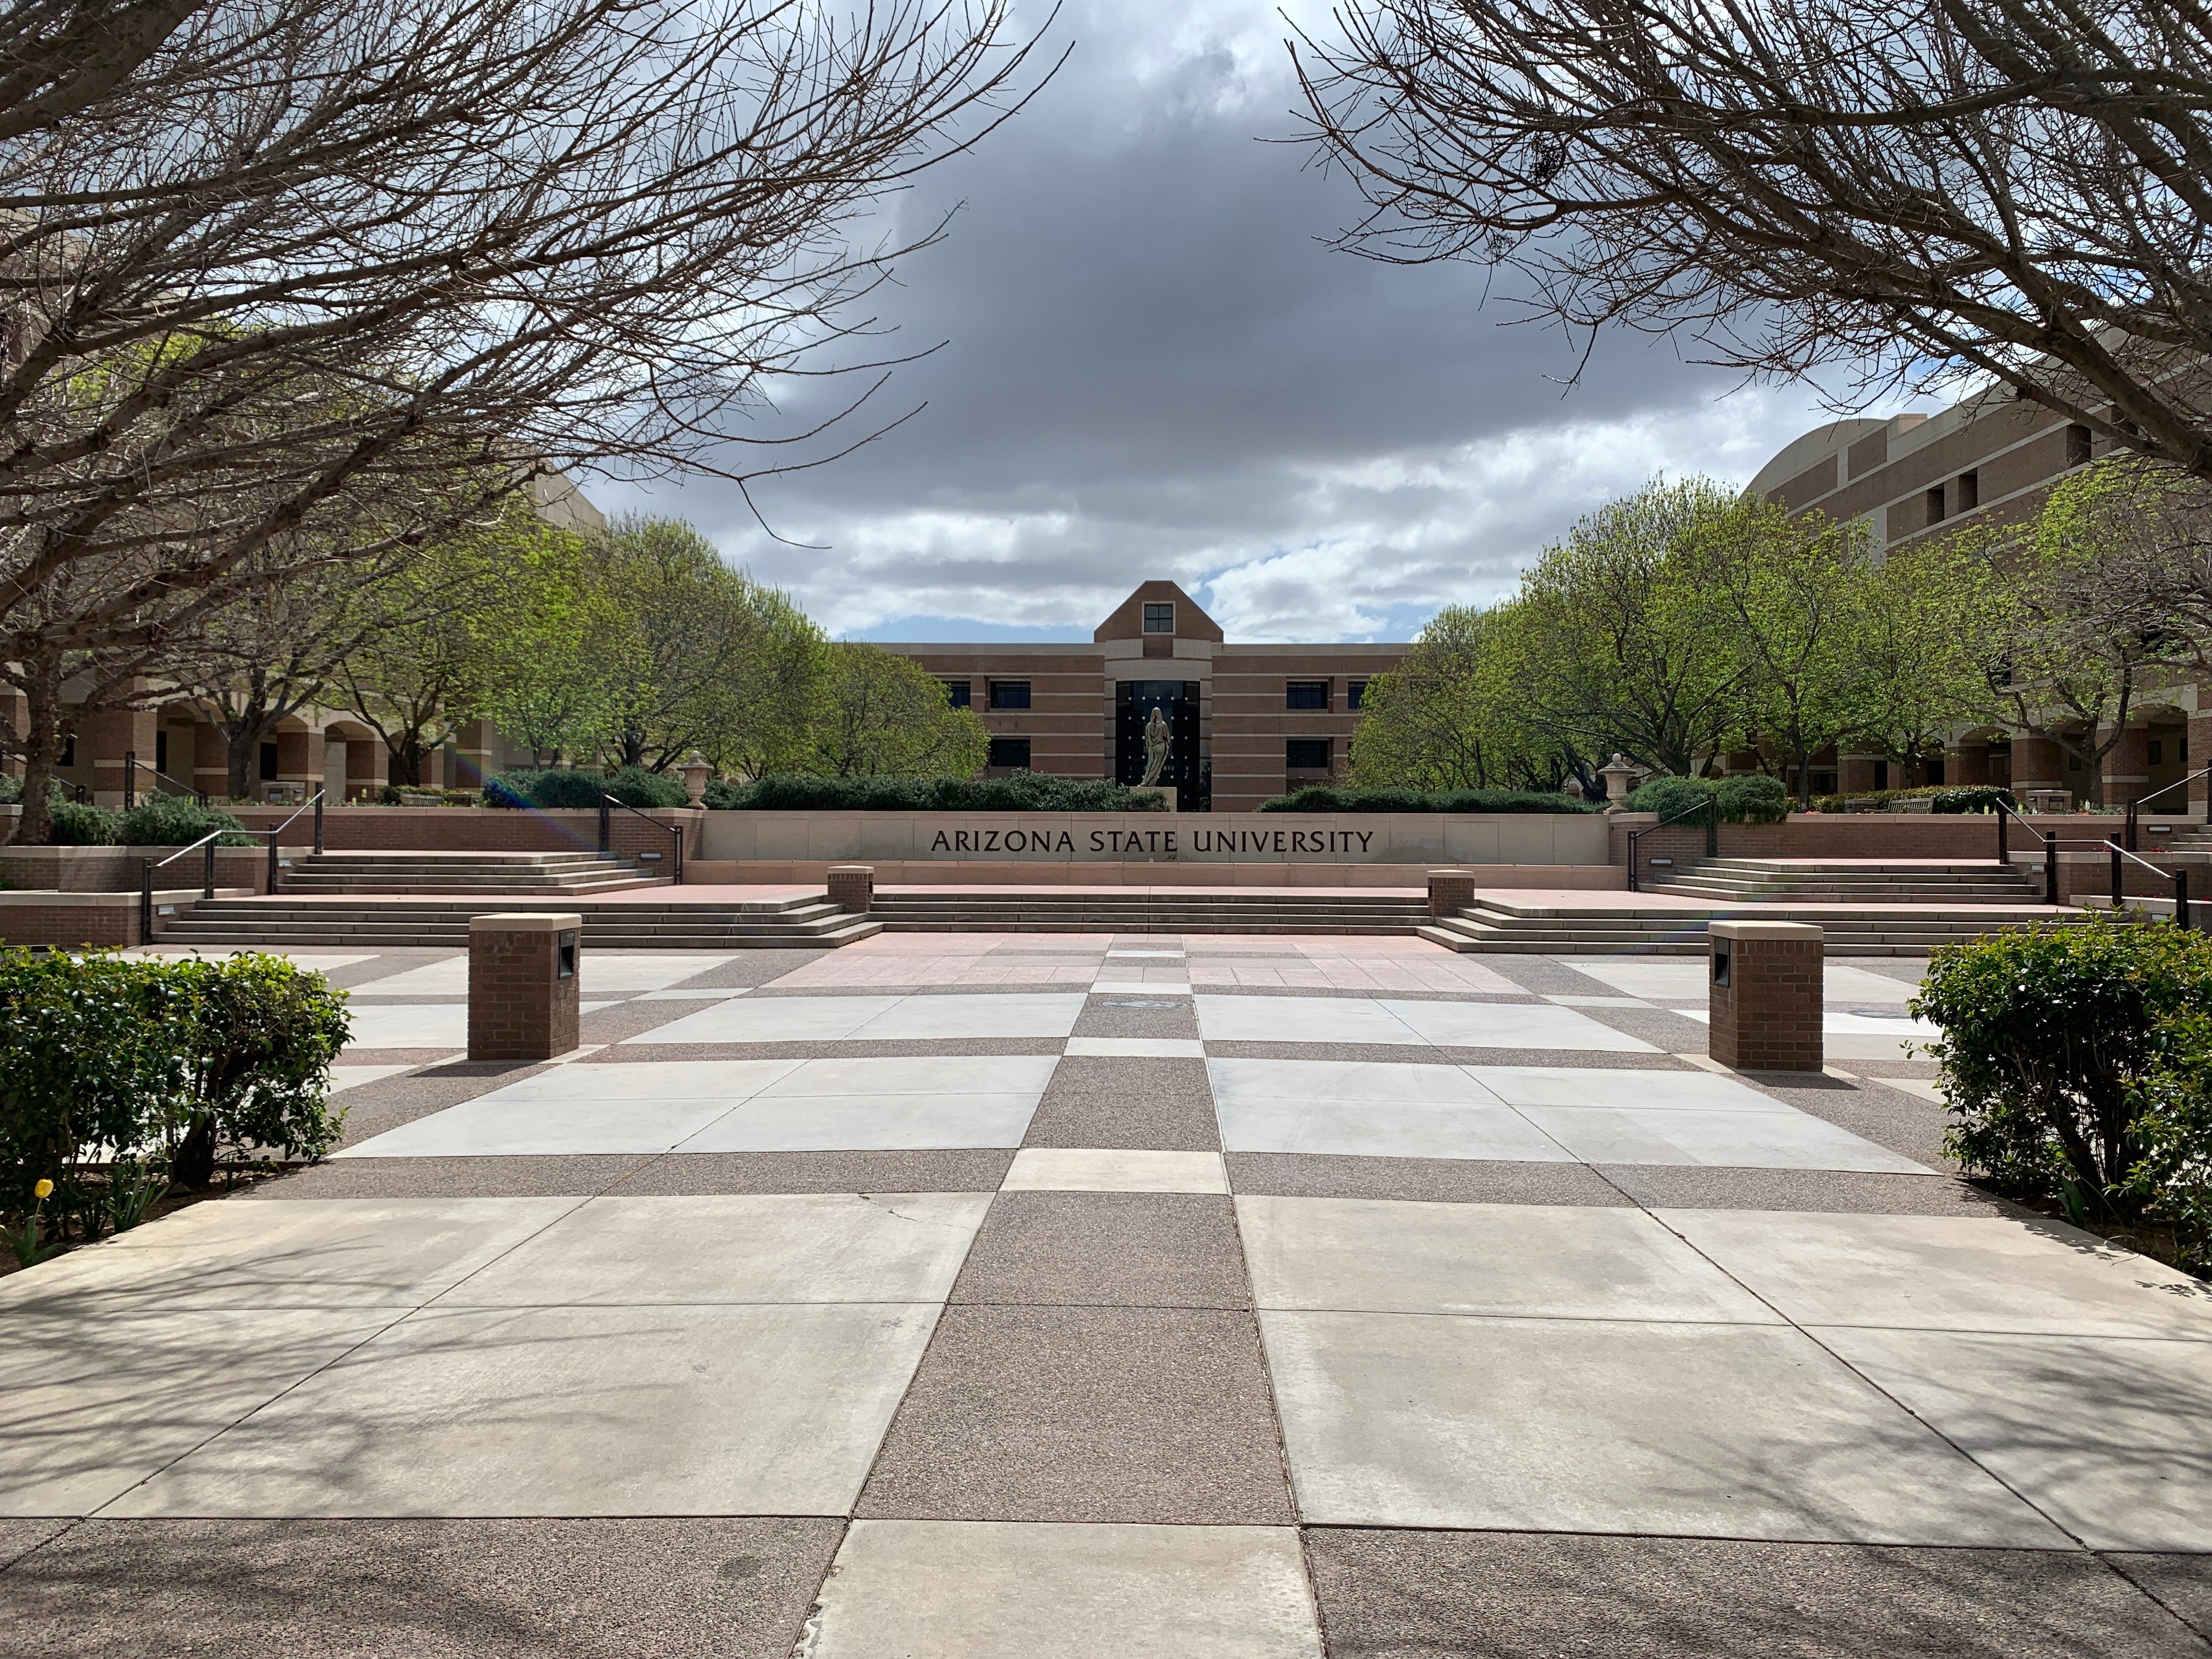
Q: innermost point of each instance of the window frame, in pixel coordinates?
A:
(1028, 695)
(1024, 765)
(1355, 695)
(1291, 688)
(1145, 616)
(960, 694)
(1328, 754)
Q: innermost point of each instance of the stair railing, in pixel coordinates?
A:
(131, 768)
(148, 866)
(314, 801)
(2178, 875)
(1710, 808)
(608, 803)
(2049, 844)
(2135, 807)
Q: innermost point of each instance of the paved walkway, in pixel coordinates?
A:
(1075, 1296)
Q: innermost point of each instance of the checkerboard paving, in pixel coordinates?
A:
(1098, 1295)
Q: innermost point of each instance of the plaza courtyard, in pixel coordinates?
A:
(1220, 1297)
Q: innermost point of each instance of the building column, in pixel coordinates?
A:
(2037, 763)
(365, 768)
(2124, 771)
(1855, 774)
(2200, 753)
(476, 754)
(300, 760)
(114, 735)
(1967, 764)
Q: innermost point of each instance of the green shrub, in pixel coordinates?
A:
(1669, 795)
(11, 789)
(178, 821)
(1972, 798)
(264, 1035)
(1325, 798)
(573, 790)
(1751, 798)
(80, 824)
(1024, 792)
(2077, 1060)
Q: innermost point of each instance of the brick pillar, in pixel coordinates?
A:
(852, 886)
(2200, 754)
(474, 754)
(1967, 763)
(300, 760)
(2037, 763)
(524, 975)
(112, 735)
(1450, 891)
(1765, 990)
(210, 761)
(2126, 771)
(365, 767)
(1855, 774)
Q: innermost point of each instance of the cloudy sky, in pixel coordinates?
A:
(1151, 366)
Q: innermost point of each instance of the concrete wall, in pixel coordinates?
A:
(74, 919)
(1215, 839)
(116, 869)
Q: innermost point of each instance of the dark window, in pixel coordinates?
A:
(1935, 769)
(268, 762)
(1823, 783)
(1882, 775)
(1011, 751)
(1306, 753)
(1970, 491)
(1159, 618)
(956, 693)
(160, 751)
(1306, 694)
(2155, 752)
(1936, 505)
(1355, 693)
(68, 751)
(1010, 694)
(2077, 445)
(2073, 762)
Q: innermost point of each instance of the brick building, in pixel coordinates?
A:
(1254, 720)
(1991, 458)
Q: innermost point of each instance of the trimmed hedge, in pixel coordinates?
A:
(1324, 798)
(1024, 792)
(2077, 1066)
(119, 1074)
(576, 790)
(178, 821)
(1746, 797)
(1940, 798)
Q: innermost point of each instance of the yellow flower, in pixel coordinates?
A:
(44, 1189)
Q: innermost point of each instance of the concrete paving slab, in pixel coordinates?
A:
(1386, 1130)
(1300, 1019)
(93, 1402)
(1511, 1025)
(866, 1122)
(1809, 1191)
(941, 1589)
(344, 1078)
(515, 1177)
(1749, 1140)
(1433, 1179)
(1018, 1014)
(1643, 1091)
(1136, 1048)
(1683, 978)
(1160, 1105)
(1949, 1272)
(1097, 1413)
(1409, 1594)
(570, 1411)
(2182, 1584)
(926, 1170)
(732, 1249)
(1106, 1250)
(615, 1107)
(929, 1074)
(409, 1025)
(1162, 1019)
(1051, 1168)
(1591, 1425)
(773, 1020)
(1500, 1259)
(604, 971)
(396, 1253)
(1253, 1083)
(1140, 988)
(551, 1589)
(2111, 1437)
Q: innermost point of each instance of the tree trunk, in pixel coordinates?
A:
(193, 1164)
(42, 748)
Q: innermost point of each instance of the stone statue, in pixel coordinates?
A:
(1159, 740)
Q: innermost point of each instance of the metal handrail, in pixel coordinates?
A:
(130, 770)
(148, 866)
(607, 832)
(1710, 807)
(2049, 852)
(315, 801)
(2178, 875)
(2134, 806)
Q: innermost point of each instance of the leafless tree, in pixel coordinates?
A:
(309, 259)
(1915, 189)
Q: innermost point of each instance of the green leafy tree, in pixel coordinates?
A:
(879, 714)
(1929, 628)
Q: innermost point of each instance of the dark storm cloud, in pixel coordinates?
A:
(1153, 366)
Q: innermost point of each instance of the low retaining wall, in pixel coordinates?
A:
(899, 872)
(116, 869)
(1215, 841)
(1871, 835)
(475, 829)
(74, 919)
